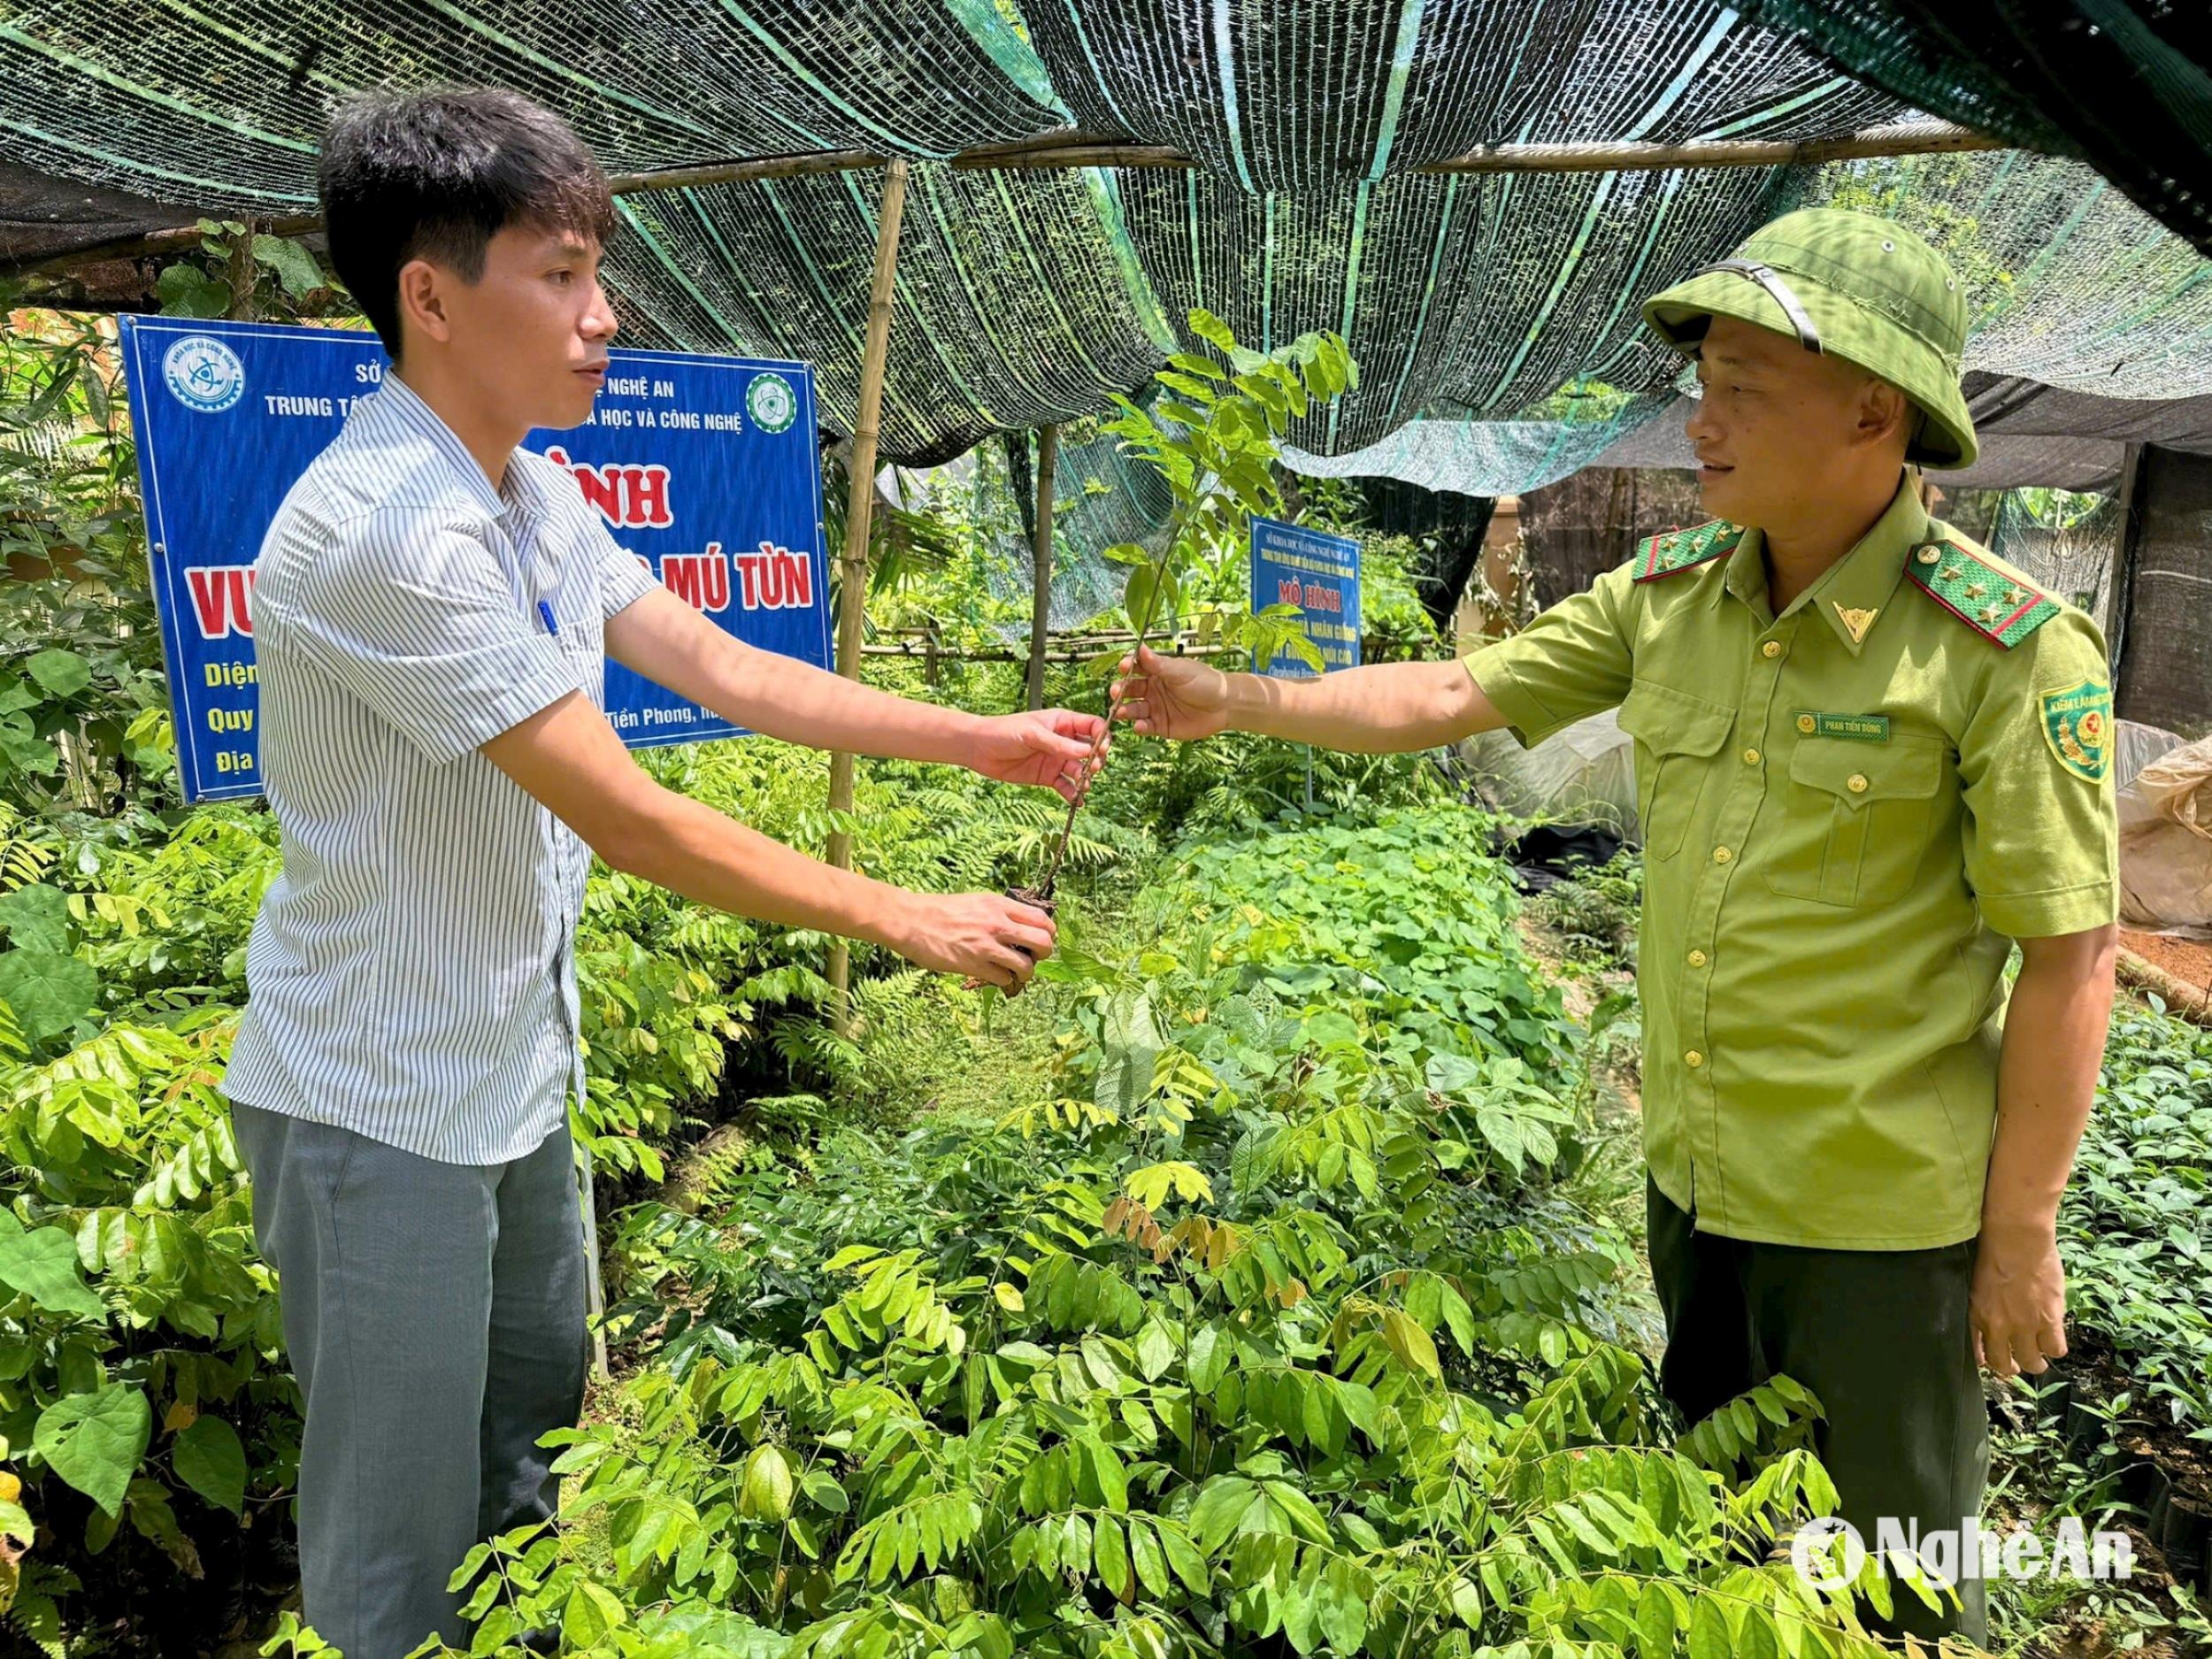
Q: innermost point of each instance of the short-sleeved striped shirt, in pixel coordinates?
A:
(410, 973)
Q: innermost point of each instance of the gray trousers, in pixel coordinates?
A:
(434, 1314)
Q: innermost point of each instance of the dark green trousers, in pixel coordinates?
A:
(1881, 1336)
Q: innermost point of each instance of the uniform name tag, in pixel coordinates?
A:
(1858, 728)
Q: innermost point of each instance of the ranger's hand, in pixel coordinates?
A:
(1172, 697)
(2017, 1306)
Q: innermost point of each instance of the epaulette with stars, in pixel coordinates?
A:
(1673, 551)
(1993, 604)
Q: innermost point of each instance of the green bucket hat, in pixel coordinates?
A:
(1850, 286)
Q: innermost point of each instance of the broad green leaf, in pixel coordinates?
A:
(1112, 1554)
(47, 990)
(63, 673)
(36, 917)
(42, 1266)
(23, 750)
(210, 1459)
(1212, 330)
(185, 291)
(593, 1611)
(1450, 1073)
(1221, 1507)
(765, 1495)
(1151, 598)
(1709, 1635)
(823, 1492)
(1410, 1343)
(1149, 1560)
(1209, 1355)
(1655, 1622)
(294, 266)
(94, 1440)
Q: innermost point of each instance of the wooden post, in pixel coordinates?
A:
(1040, 598)
(852, 599)
(244, 275)
(2119, 583)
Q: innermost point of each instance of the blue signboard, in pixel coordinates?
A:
(1318, 573)
(704, 467)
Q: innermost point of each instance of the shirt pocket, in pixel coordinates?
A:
(1677, 736)
(1853, 820)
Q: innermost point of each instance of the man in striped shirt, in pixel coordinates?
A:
(433, 610)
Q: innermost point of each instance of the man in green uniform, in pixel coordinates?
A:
(1871, 758)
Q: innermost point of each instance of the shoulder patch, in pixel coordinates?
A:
(1965, 583)
(1673, 551)
(2078, 726)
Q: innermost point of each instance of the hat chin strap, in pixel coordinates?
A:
(1769, 278)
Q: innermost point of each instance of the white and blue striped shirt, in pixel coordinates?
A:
(411, 975)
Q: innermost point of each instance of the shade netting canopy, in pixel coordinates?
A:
(1494, 315)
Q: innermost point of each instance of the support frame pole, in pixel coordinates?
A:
(1041, 554)
(852, 599)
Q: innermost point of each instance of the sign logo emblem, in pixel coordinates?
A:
(203, 373)
(772, 403)
(2077, 725)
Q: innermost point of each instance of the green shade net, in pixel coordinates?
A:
(1304, 94)
(2125, 83)
(1012, 308)
(1102, 497)
(1033, 297)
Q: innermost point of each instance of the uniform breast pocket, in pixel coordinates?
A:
(1853, 820)
(1677, 736)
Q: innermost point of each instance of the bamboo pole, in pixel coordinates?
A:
(1910, 138)
(1067, 148)
(1040, 593)
(742, 172)
(1065, 155)
(852, 600)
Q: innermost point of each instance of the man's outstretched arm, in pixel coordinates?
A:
(569, 758)
(670, 643)
(1572, 661)
(1388, 709)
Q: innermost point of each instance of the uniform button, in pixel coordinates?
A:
(1856, 783)
(1805, 723)
(1751, 757)
(1694, 1059)
(1697, 958)
(1721, 855)
(1772, 648)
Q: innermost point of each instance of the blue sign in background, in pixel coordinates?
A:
(1317, 572)
(704, 466)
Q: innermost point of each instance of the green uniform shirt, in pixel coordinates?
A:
(1848, 811)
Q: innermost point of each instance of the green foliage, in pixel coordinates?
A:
(83, 705)
(138, 1331)
(131, 1295)
(1215, 434)
(2135, 1229)
(288, 283)
(1596, 912)
(1269, 1323)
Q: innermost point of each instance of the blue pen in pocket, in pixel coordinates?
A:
(545, 615)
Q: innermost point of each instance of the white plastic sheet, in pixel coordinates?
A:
(1585, 774)
(2166, 836)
